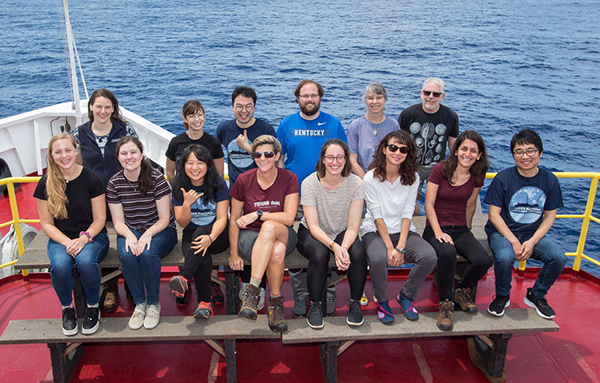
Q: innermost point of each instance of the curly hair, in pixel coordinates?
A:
(145, 176)
(480, 166)
(211, 180)
(408, 168)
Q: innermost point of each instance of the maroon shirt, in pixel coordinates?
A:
(247, 190)
(451, 201)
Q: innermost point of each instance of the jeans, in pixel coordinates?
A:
(144, 270)
(61, 266)
(546, 251)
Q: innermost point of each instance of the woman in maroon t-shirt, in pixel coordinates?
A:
(450, 200)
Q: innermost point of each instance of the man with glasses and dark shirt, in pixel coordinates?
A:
(523, 200)
(432, 125)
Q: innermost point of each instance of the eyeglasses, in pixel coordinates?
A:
(530, 152)
(307, 96)
(257, 155)
(427, 93)
(340, 159)
(394, 148)
(240, 108)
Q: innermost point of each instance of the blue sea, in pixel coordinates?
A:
(507, 64)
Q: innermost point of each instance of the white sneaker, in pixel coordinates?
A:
(137, 319)
(152, 316)
(261, 300)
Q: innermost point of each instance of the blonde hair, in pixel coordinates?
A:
(267, 139)
(56, 185)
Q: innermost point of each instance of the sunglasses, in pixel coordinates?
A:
(257, 155)
(427, 93)
(394, 148)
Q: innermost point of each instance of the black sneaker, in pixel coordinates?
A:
(539, 304)
(69, 321)
(216, 294)
(355, 315)
(91, 321)
(315, 316)
(498, 304)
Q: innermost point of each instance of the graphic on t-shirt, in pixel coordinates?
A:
(309, 132)
(430, 141)
(527, 204)
(203, 214)
(238, 156)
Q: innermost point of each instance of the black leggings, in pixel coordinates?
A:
(197, 267)
(318, 264)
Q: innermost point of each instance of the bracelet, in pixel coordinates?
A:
(211, 241)
(331, 245)
(345, 248)
(87, 235)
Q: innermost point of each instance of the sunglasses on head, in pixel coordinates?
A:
(427, 93)
(257, 155)
(394, 148)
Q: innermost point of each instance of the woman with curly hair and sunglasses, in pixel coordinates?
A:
(387, 231)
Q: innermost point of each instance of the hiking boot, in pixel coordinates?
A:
(408, 307)
(276, 315)
(384, 312)
(216, 294)
(242, 288)
(69, 321)
(249, 302)
(315, 316)
(179, 286)
(299, 309)
(111, 300)
(446, 316)
(137, 319)
(355, 315)
(330, 311)
(539, 304)
(91, 321)
(462, 298)
(204, 311)
(152, 316)
(498, 304)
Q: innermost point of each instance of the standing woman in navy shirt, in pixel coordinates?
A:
(72, 208)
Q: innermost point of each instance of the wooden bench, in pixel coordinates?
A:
(66, 352)
(487, 342)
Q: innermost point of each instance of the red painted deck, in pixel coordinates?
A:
(570, 355)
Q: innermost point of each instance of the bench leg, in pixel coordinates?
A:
(63, 366)
(232, 290)
(231, 360)
(329, 353)
(488, 359)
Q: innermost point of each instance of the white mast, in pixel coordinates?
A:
(74, 82)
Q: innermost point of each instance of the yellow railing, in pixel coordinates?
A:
(587, 216)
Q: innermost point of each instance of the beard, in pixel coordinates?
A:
(310, 109)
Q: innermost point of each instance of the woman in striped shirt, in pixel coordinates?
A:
(139, 199)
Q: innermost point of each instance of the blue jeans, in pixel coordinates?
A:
(61, 266)
(546, 251)
(144, 270)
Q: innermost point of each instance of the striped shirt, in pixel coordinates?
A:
(140, 211)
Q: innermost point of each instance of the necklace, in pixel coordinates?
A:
(374, 124)
(130, 184)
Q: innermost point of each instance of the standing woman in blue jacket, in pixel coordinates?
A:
(97, 140)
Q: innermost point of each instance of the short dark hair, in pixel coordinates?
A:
(526, 136)
(244, 91)
(304, 82)
(191, 107)
(320, 166)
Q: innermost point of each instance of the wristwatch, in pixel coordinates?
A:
(259, 213)
(401, 251)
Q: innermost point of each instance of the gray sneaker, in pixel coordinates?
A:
(137, 319)
(152, 316)
(315, 316)
(330, 307)
(299, 309)
(355, 315)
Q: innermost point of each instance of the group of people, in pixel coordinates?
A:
(354, 193)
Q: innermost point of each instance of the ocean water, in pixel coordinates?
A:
(507, 64)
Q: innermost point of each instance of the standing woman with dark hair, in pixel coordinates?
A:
(332, 201)
(72, 208)
(97, 140)
(387, 231)
(139, 199)
(450, 201)
(201, 204)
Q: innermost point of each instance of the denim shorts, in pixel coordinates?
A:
(248, 237)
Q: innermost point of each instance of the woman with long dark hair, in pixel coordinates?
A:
(201, 204)
(387, 231)
(139, 199)
(332, 201)
(72, 208)
(450, 201)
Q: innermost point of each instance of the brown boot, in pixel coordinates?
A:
(446, 316)
(462, 297)
(276, 315)
(111, 300)
(249, 302)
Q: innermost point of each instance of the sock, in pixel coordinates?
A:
(273, 296)
(255, 282)
(93, 306)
